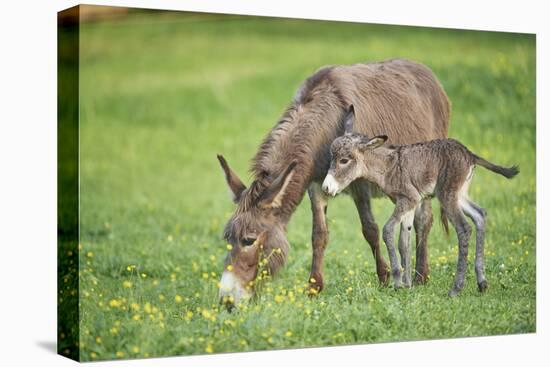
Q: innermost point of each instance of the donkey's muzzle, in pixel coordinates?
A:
(227, 303)
(232, 292)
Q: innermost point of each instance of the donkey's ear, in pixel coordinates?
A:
(233, 181)
(272, 197)
(373, 143)
(349, 120)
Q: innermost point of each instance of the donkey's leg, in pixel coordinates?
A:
(361, 196)
(402, 207)
(319, 236)
(423, 220)
(463, 231)
(405, 247)
(477, 214)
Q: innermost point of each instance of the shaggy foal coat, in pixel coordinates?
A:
(407, 174)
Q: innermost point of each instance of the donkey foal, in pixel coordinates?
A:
(408, 174)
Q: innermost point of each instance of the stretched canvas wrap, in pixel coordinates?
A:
(194, 206)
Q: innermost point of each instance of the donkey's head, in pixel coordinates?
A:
(348, 156)
(255, 233)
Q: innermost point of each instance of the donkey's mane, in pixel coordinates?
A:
(386, 100)
(310, 119)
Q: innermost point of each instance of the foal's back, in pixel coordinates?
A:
(440, 163)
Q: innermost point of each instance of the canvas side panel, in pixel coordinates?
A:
(67, 183)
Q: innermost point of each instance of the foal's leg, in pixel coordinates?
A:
(402, 207)
(423, 220)
(477, 214)
(404, 245)
(319, 236)
(361, 197)
(463, 231)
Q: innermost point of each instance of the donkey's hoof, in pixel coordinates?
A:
(421, 279)
(313, 291)
(384, 276)
(483, 286)
(315, 285)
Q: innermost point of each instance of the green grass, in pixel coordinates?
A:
(161, 94)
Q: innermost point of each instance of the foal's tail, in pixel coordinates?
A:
(508, 172)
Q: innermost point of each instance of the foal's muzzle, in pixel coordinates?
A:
(330, 185)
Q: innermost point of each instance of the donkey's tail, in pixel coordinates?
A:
(444, 220)
(507, 172)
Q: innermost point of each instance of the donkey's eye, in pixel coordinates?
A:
(344, 161)
(248, 241)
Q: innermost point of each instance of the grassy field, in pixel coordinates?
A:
(161, 94)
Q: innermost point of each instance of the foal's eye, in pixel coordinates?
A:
(344, 161)
(248, 241)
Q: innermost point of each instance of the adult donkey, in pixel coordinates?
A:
(400, 98)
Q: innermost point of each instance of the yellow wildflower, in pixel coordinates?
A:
(127, 284)
(178, 298)
(115, 303)
(147, 307)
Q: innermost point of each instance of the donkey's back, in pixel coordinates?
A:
(400, 98)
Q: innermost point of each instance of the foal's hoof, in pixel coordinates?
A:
(454, 292)
(483, 286)
(398, 285)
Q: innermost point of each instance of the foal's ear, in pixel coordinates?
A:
(349, 120)
(233, 181)
(373, 143)
(272, 197)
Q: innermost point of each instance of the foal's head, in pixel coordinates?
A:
(349, 157)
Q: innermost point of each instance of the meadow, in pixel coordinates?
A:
(162, 93)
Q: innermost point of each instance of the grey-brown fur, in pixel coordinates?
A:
(397, 96)
(407, 174)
